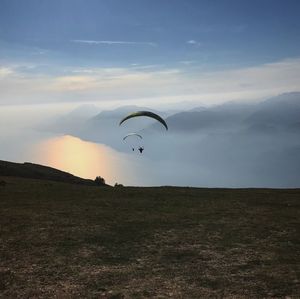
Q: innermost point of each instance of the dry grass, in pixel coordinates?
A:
(69, 241)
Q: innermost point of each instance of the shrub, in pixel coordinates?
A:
(99, 180)
(118, 185)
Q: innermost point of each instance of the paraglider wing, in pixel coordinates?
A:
(145, 113)
(133, 134)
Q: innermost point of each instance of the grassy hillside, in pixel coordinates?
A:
(36, 171)
(72, 241)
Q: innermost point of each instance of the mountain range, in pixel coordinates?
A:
(277, 113)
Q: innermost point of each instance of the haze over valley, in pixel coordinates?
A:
(227, 145)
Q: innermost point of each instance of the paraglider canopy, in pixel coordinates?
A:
(145, 113)
(132, 134)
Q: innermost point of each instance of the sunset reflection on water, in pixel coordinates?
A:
(84, 159)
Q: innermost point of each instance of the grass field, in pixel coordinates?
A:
(68, 241)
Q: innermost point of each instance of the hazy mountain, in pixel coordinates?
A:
(228, 116)
(84, 111)
(104, 127)
(278, 112)
(120, 111)
(200, 120)
(268, 117)
(71, 122)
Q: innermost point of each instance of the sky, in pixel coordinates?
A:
(150, 52)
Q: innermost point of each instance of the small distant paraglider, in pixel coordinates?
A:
(132, 135)
(142, 113)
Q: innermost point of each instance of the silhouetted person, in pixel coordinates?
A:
(133, 149)
(141, 149)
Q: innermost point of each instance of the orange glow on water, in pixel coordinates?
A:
(84, 159)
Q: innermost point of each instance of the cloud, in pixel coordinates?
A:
(149, 85)
(193, 42)
(187, 62)
(5, 72)
(144, 67)
(109, 42)
(73, 83)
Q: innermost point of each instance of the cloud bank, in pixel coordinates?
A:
(151, 86)
(111, 42)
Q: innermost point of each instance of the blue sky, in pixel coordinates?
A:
(79, 45)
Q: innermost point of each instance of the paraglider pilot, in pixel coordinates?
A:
(141, 149)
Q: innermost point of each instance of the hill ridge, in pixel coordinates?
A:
(42, 172)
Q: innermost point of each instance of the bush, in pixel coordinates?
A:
(118, 185)
(99, 180)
